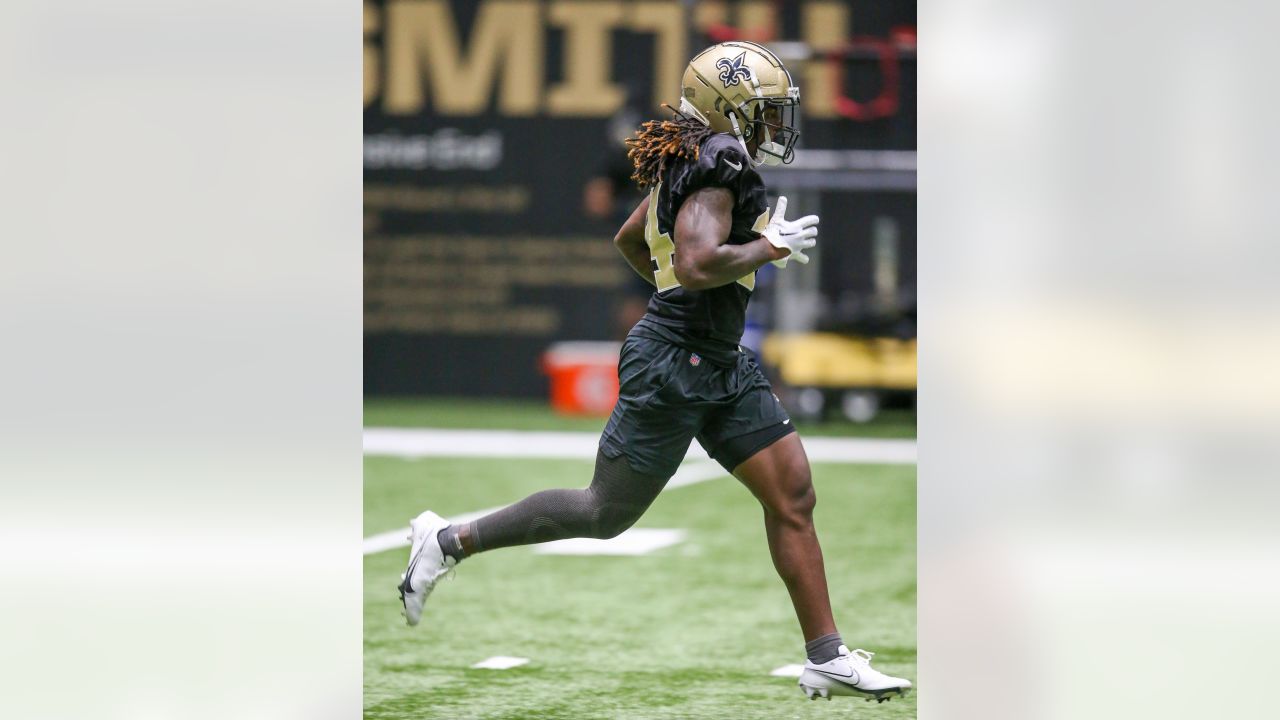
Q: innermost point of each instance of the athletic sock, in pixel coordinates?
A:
(824, 649)
(451, 544)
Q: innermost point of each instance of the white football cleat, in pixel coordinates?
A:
(427, 564)
(850, 673)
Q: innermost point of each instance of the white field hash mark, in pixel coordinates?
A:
(500, 662)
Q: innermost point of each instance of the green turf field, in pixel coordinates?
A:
(689, 631)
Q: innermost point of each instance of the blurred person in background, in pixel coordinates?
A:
(608, 196)
(698, 240)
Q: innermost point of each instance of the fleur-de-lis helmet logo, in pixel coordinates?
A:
(733, 71)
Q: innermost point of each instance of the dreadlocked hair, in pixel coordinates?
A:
(659, 140)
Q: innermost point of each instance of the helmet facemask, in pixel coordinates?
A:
(771, 122)
(776, 125)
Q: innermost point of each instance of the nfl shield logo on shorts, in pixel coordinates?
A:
(694, 359)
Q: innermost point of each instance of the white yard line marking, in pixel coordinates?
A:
(698, 467)
(636, 541)
(860, 450)
(688, 474)
(431, 442)
(788, 671)
(389, 540)
(692, 473)
(500, 662)
(398, 538)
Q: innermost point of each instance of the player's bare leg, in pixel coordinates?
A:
(779, 478)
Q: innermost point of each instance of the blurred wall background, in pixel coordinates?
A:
(495, 176)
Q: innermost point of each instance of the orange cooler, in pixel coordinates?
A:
(584, 376)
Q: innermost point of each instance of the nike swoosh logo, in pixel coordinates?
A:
(841, 678)
(408, 574)
(784, 422)
(732, 164)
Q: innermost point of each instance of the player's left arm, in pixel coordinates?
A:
(630, 242)
(704, 260)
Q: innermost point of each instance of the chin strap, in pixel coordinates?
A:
(737, 133)
(770, 150)
(767, 152)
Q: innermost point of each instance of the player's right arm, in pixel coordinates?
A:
(631, 243)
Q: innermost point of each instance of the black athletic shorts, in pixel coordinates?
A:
(669, 395)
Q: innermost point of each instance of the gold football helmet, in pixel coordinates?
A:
(742, 88)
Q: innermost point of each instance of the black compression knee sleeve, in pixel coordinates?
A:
(617, 497)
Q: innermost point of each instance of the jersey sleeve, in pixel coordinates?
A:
(722, 163)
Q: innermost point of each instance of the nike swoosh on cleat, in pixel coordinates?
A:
(732, 164)
(879, 695)
(841, 678)
(408, 574)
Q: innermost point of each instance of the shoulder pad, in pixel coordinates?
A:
(722, 153)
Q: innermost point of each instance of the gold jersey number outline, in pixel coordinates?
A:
(662, 250)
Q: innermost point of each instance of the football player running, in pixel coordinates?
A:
(699, 237)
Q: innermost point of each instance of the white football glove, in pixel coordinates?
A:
(794, 235)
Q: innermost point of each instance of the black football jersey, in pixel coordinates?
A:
(709, 321)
